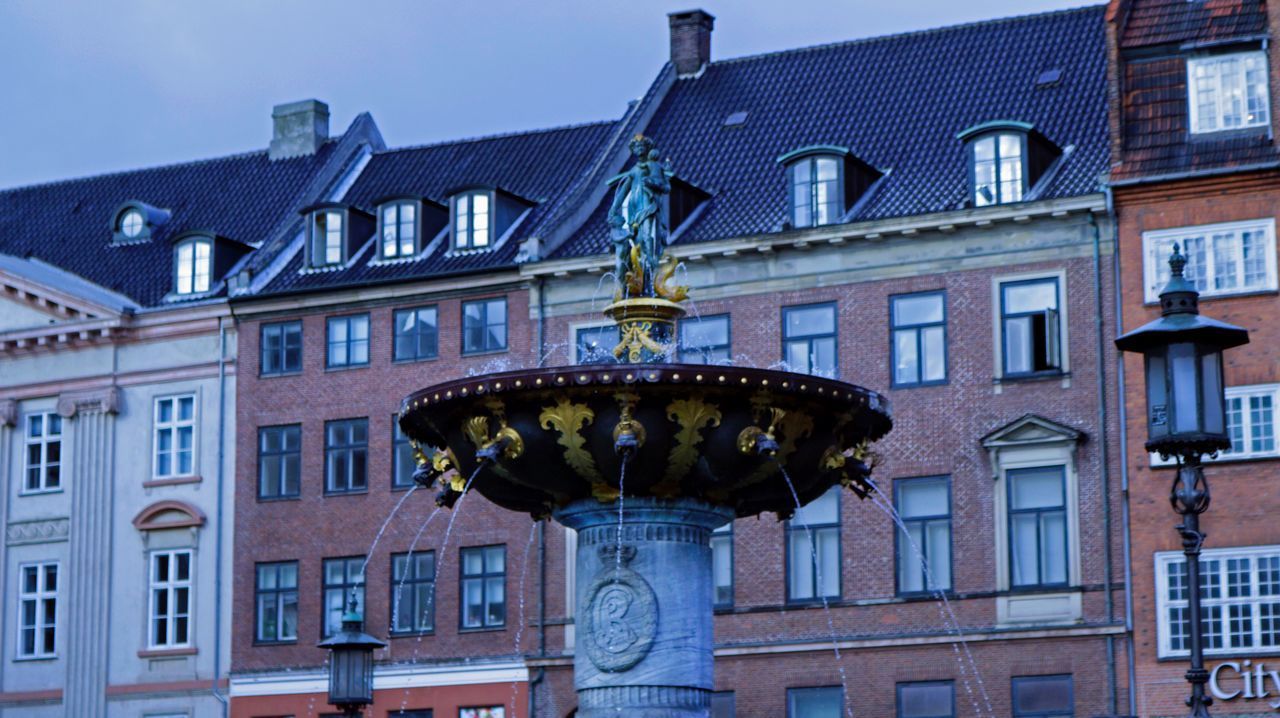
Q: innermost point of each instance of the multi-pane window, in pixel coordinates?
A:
(1251, 421)
(722, 565)
(348, 340)
(813, 549)
(37, 610)
(484, 581)
(1239, 601)
(343, 578)
(399, 229)
(722, 705)
(1037, 526)
(1228, 92)
(170, 611)
(809, 339)
(1030, 328)
(471, 220)
(281, 348)
(44, 453)
(346, 456)
(279, 461)
(175, 428)
(594, 345)
(326, 238)
(1222, 259)
(131, 224)
(824, 702)
(276, 591)
(997, 169)
(413, 589)
(484, 326)
(924, 549)
(192, 271)
(815, 192)
(403, 462)
(927, 699)
(919, 338)
(1043, 697)
(416, 334)
(705, 340)
(483, 712)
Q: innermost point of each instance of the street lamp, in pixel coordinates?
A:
(1186, 418)
(351, 663)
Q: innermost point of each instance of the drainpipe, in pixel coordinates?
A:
(541, 326)
(218, 524)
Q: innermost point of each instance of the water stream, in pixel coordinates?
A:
(524, 572)
(617, 553)
(386, 523)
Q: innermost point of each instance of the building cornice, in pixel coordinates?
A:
(457, 285)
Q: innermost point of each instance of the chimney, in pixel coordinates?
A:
(690, 40)
(299, 128)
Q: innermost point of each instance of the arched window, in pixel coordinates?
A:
(815, 191)
(1005, 159)
(193, 265)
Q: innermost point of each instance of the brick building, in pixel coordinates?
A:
(1193, 128)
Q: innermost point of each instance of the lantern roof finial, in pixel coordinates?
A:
(1179, 295)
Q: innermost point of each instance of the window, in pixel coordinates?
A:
(403, 462)
(343, 577)
(1239, 601)
(170, 599)
(326, 238)
(1251, 421)
(1037, 526)
(816, 191)
(595, 344)
(399, 230)
(484, 326)
(346, 456)
(410, 713)
(705, 340)
(44, 453)
(826, 702)
(416, 334)
(192, 267)
(38, 610)
(924, 551)
(1030, 327)
(279, 461)
(490, 712)
(809, 339)
(1222, 259)
(471, 220)
(281, 348)
(919, 338)
(722, 564)
(131, 224)
(1228, 92)
(484, 579)
(722, 704)
(1043, 697)
(348, 341)
(997, 161)
(175, 426)
(813, 549)
(277, 602)
(413, 592)
(926, 699)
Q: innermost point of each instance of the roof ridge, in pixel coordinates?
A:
(909, 33)
(498, 136)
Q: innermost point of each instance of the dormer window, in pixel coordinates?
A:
(1006, 159)
(334, 232)
(326, 238)
(823, 182)
(472, 220)
(131, 223)
(193, 265)
(1228, 92)
(134, 221)
(398, 223)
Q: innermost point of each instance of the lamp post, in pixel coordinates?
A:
(351, 663)
(1186, 418)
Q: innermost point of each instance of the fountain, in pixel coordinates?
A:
(691, 447)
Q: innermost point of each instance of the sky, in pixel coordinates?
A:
(92, 87)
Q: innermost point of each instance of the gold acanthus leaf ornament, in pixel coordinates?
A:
(693, 415)
(568, 419)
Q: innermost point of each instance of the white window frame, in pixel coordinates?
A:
(43, 442)
(1244, 393)
(1193, 87)
(171, 587)
(175, 425)
(198, 276)
(397, 241)
(1165, 559)
(41, 595)
(474, 240)
(1151, 264)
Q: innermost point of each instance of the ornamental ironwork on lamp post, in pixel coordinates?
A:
(1186, 419)
(351, 663)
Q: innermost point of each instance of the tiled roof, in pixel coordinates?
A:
(538, 166)
(1156, 22)
(897, 102)
(68, 223)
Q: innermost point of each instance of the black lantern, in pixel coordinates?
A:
(1186, 411)
(351, 663)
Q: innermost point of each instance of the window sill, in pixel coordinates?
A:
(810, 602)
(345, 367)
(289, 642)
(1227, 460)
(1036, 376)
(278, 374)
(1208, 297)
(1040, 606)
(34, 659)
(485, 629)
(413, 634)
(175, 481)
(1228, 133)
(40, 492)
(167, 652)
(417, 360)
(723, 609)
(406, 487)
(919, 385)
(1226, 653)
(913, 596)
(277, 499)
(356, 492)
(486, 352)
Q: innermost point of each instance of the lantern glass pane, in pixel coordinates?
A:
(1157, 397)
(1214, 407)
(1184, 366)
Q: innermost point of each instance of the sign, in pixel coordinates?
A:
(1233, 680)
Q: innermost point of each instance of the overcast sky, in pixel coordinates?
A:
(92, 87)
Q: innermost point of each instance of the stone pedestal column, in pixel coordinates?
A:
(644, 638)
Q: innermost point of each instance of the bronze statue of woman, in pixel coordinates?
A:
(638, 217)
